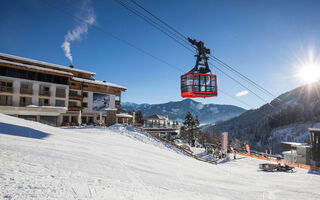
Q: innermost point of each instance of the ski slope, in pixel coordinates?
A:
(42, 162)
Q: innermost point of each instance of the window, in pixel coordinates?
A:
(65, 119)
(26, 88)
(25, 101)
(73, 93)
(44, 90)
(60, 103)
(72, 104)
(5, 100)
(85, 94)
(74, 119)
(84, 119)
(85, 105)
(6, 86)
(61, 92)
(25, 74)
(44, 102)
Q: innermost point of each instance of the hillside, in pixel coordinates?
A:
(43, 162)
(287, 118)
(207, 113)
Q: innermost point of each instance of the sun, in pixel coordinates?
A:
(309, 73)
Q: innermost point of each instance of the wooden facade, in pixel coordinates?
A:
(75, 79)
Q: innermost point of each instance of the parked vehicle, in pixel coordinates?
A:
(276, 167)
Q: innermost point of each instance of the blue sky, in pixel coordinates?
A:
(265, 40)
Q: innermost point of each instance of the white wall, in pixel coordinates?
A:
(35, 96)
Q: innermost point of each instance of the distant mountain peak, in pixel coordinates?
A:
(176, 110)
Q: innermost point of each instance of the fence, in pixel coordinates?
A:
(181, 148)
(308, 167)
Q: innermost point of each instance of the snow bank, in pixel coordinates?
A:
(43, 162)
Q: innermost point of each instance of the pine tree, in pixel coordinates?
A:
(189, 124)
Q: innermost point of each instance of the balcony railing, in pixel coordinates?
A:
(74, 108)
(26, 90)
(6, 89)
(75, 97)
(6, 103)
(44, 93)
(163, 126)
(24, 104)
(61, 95)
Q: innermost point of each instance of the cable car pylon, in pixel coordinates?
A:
(199, 81)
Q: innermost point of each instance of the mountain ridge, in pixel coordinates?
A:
(177, 110)
(287, 118)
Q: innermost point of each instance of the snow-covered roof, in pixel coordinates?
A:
(98, 82)
(44, 63)
(124, 115)
(314, 129)
(293, 143)
(35, 67)
(111, 109)
(155, 117)
(49, 107)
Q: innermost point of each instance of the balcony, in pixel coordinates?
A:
(24, 104)
(75, 97)
(26, 91)
(44, 93)
(6, 89)
(61, 94)
(74, 108)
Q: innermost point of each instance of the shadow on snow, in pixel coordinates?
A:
(21, 131)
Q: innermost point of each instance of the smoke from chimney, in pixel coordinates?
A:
(76, 33)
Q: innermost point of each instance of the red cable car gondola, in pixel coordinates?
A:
(199, 82)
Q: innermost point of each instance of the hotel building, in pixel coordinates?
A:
(55, 94)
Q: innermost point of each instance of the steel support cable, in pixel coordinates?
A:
(215, 58)
(240, 84)
(154, 24)
(119, 39)
(243, 76)
(180, 34)
(97, 27)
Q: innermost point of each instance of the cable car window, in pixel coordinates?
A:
(208, 85)
(202, 83)
(196, 82)
(189, 82)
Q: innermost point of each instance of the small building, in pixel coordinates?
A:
(55, 94)
(125, 118)
(160, 126)
(296, 152)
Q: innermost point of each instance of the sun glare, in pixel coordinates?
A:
(309, 73)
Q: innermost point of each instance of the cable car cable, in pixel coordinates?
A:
(122, 40)
(243, 76)
(241, 84)
(215, 58)
(183, 36)
(99, 28)
(152, 23)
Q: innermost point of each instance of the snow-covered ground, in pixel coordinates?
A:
(42, 162)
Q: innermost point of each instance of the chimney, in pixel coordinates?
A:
(71, 66)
